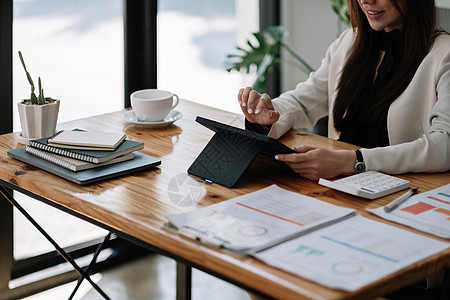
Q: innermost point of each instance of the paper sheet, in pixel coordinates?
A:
(428, 212)
(256, 220)
(352, 253)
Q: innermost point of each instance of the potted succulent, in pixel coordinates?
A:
(38, 115)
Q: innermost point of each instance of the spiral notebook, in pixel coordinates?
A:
(73, 164)
(93, 156)
(140, 162)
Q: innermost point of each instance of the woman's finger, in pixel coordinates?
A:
(245, 96)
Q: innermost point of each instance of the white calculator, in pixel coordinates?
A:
(370, 184)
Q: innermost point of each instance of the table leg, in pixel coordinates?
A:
(445, 292)
(184, 281)
(61, 251)
(6, 248)
(91, 264)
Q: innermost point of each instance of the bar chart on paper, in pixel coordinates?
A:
(429, 212)
(351, 253)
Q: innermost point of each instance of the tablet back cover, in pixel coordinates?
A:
(225, 158)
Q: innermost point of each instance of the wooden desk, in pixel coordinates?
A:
(134, 206)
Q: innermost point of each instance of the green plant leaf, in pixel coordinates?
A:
(34, 99)
(26, 71)
(244, 59)
(340, 7)
(263, 71)
(22, 61)
(41, 98)
(264, 55)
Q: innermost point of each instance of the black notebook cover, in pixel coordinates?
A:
(140, 162)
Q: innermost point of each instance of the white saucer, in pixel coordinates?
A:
(130, 117)
(23, 140)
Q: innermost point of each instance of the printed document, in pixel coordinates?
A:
(258, 220)
(328, 244)
(428, 212)
(352, 253)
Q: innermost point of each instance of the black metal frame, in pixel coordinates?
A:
(184, 267)
(33, 264)
(6, 66)
(269, 15)
(6, 249)
(84, 274)
(140, 21)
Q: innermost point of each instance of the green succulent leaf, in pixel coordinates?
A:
(22, 61)
(40, 100)
(26, 71)
(30, 80)
(34, 99)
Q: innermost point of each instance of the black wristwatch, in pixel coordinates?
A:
(360, 166)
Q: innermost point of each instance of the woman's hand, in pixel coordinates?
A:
(257, 108)
(314, 163)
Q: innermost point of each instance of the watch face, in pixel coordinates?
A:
(360, 167)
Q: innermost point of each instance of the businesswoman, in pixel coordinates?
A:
(385, 85)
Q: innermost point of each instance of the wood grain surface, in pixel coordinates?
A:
(136, 204)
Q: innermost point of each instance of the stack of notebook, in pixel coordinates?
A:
(84, 157)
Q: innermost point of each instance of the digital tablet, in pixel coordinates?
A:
(231, 151)
(269, 146)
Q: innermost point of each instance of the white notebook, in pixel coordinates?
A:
(88, 140)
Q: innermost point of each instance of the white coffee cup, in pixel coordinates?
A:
(152, 105)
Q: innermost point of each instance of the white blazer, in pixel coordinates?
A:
(418, 120)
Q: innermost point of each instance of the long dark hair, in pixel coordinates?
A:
(419, 33)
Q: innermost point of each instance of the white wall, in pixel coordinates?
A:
(444, 16)
(313, 26)
(443, 3)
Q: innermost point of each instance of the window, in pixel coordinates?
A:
(194, 38)
(76, 47)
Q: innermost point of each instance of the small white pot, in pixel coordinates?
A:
(38, 121)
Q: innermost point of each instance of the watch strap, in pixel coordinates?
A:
(359, 157)
(360, 166)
